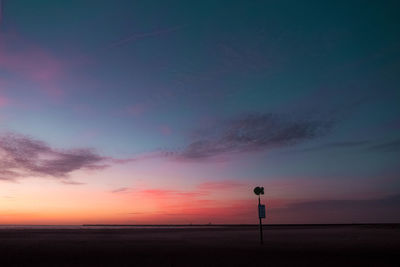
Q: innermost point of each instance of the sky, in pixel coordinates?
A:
(153, 112)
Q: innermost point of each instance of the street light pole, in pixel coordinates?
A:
(261, 228)
(261, 209)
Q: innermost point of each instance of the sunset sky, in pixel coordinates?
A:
(167, 112)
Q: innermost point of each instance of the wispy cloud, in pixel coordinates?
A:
(22, 156)
(202, 189)
(337, 145)
(172, 194)
(228, 58)
(120, 190)
(252, 133)
(139, 36)
(145, 156)
(390, 146)
(362, 145)
(70, 182)
(222, 185)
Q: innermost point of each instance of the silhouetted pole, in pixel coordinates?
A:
(261, 209)
(261, 233)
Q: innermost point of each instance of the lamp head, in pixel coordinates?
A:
(259, 190)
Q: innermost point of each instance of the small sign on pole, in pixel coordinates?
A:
(261, 211)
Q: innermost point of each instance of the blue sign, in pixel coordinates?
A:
(261, 211)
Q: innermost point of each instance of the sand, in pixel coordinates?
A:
(333, 245)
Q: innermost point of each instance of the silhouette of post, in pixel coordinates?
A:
(259, 216)
(261, 209)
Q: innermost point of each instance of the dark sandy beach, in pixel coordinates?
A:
(316, 245)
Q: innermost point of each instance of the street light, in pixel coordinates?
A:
(261, 209)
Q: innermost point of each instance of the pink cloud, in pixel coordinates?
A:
(165, 130)
(4, 101)
(31, 63)
(144, 156)
(121, 190)
(202, 211)
(136, 109)
(171, 194)
(238, 204)
(183, 205)
(199, 205)
(223, 185)
(395, 124)
(201, 190)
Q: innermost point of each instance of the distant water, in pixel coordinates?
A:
(41, 227)
(196, 226)
(16, 227)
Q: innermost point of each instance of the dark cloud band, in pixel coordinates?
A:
(251, 133)
(22, 156)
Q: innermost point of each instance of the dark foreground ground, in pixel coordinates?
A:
(351, 245)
